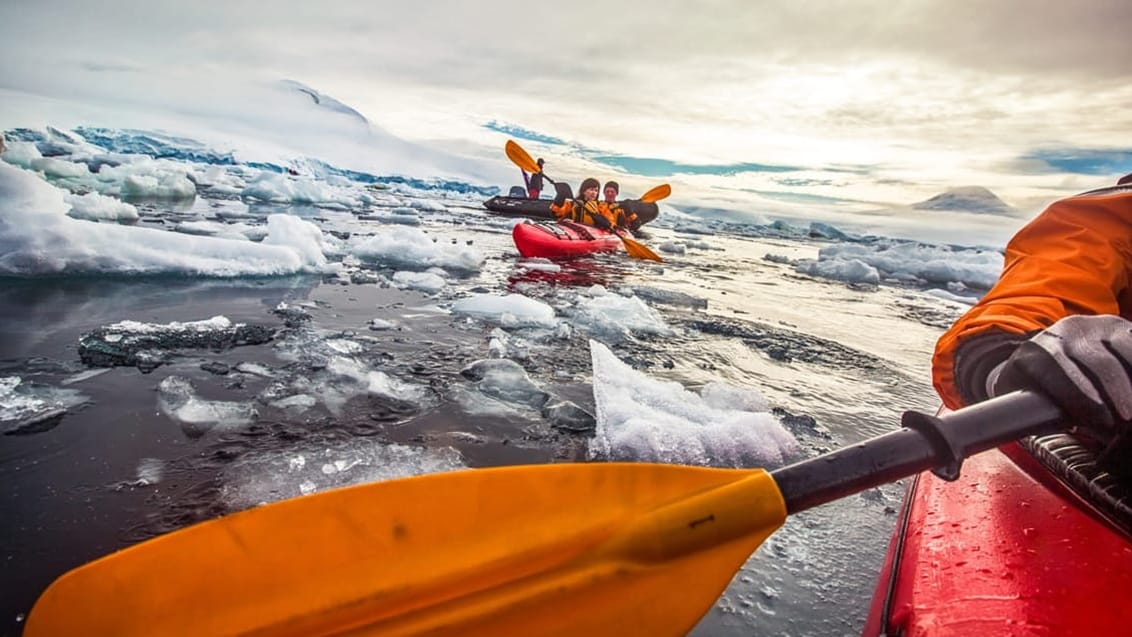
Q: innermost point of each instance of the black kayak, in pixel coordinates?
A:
(540, 208)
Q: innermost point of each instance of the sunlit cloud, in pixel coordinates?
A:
(770, 105)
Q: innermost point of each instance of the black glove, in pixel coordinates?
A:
(562, 193)
(1083, 364)
(601, 222)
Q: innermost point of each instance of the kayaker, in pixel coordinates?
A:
(619, 216)
(534, 182)
(586, 209)
(1057, 321)
(622, 215)
(611, 189)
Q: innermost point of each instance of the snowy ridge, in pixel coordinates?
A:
(98, 146)
(325, 100)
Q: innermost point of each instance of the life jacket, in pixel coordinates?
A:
(582, 212)
(620, 216)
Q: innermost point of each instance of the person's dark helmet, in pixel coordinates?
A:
(612, 184)
(540, 162)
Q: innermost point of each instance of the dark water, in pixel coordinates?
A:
(78, 488)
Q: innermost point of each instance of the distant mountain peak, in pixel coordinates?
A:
(966, 199)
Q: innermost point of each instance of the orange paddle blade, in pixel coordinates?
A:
(656, 193)
(638, 250)
(521, 157)
(569, 549)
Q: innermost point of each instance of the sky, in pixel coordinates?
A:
(769, 106)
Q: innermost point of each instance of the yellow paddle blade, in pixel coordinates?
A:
(638, 250)
(570, 549)
(656, 193)
(521, 157)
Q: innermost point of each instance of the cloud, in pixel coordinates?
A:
(921, 93)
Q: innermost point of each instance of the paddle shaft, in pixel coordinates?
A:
(925, 442)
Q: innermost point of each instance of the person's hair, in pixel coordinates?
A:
(612, 183)
(587, 183)
(540, 162)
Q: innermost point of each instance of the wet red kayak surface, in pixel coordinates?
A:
(562, 239)
(999, 552)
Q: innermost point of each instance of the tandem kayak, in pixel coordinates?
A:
(540, 208)
(1032, 539)
(562, 239)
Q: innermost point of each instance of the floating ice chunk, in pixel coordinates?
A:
(379, 325)
(643, 419)
(372, 381)
(38, 239)
(503, 345)
(539, 264)
(505, 380)
(256, 479)
(170, 185)
(97, 207)
(617, 316)
(344, 346)
(31, 408)
(298, 402)
(301, 236)
(255, 369)
(430, 205)
(178, 400)
(271, 186)
(150, 471)
(423, 281)
(58, 168)
(906, 261)
(510, 310)
(237, 231)
(408, 247)
(22, 154)
(850, 270)
(475, 403)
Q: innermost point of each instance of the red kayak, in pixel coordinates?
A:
(562, 239)
(1032, 539)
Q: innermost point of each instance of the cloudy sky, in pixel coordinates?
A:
(780, 103)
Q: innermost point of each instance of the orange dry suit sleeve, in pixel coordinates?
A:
(1074, 258)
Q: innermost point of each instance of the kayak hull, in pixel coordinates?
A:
(563, 239)
(540, 208)
(1001, 551)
